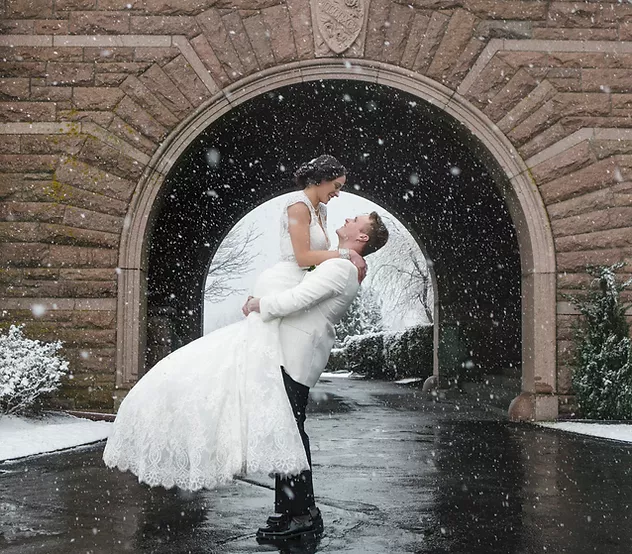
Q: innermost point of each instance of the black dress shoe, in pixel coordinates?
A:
(293, 528)
(277, 520)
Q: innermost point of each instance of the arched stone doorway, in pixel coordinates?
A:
(491, 245)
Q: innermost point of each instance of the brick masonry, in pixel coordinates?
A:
(88, 91)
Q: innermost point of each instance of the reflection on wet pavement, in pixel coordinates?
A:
(394, 472)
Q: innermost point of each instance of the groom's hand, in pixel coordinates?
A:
(360, 263)
(244, 308)
(253, 305)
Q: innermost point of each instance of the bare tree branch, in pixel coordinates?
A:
(400, 272)
(233, 258)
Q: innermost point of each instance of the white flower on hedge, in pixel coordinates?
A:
(28, 369)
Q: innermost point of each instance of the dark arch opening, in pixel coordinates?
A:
(403, 153)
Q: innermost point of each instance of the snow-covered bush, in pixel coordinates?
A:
(602, 362)
(28, 369)
(387, 355)
(365, 353)
(409, 354)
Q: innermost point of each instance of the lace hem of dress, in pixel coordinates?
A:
(210, 411)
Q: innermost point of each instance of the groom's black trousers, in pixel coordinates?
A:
(294, 494)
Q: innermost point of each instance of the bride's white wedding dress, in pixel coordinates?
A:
(217, 407)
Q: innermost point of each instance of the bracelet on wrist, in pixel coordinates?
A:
(344, 253)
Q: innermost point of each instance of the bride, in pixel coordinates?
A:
(217, 407)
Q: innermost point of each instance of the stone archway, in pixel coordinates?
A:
(522, 198)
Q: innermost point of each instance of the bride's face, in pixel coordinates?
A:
(330, 189)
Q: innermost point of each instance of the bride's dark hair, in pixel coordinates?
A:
(314, 172)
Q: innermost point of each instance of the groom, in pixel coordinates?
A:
(309, 312)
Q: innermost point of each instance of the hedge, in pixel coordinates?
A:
(387, 355)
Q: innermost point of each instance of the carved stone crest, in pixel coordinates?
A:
(339, 22)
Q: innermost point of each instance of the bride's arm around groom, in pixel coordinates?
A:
(309, 310)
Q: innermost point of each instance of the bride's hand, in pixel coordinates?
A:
(360, 263)
(244, 309)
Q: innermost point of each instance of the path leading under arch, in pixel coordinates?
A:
(394, 473)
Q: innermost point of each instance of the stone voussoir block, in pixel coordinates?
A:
(396, 33)
(83, 218)
(51, 144)
(490, 82)
(563, 163)
(130, 112)
(277, 20)
(164, 25)
(82, 175)
(301, 18)
(458, 34)
(140, 94)
(599, 199)
(164, 88)
(126, 132)
(241, 41)
(430, 43)
(96, 98)
(210, 60)
(187, 80)
(260, 39)
(114, 160)
(542, 118)
(215, 32)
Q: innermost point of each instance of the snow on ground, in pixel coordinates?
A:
(21, 436)
(339, 374)
(616, 431)
(408, 380)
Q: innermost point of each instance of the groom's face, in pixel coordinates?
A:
(355, 228)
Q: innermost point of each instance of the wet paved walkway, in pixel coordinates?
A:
(394, 472)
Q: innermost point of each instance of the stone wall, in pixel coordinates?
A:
(90, 89)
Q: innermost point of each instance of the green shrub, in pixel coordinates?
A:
(602, 361)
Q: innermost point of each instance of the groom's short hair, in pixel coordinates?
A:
(378, 234)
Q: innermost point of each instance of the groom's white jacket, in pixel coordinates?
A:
(309, 311)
